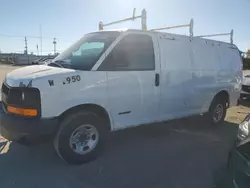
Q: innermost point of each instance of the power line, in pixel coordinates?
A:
(38, 37)
(35, 37)
(21, 36)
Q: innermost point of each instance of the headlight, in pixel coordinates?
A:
(24, 101)
(244, 127)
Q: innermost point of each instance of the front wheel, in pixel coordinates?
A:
(217, 111)
(79, 138)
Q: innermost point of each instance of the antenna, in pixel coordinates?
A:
(143, 17)
(190, 25)
(221, 34)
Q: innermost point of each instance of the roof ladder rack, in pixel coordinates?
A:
(143, 17)
(190, 25)
(221, 34)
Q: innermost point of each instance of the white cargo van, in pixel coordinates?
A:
(111, 80)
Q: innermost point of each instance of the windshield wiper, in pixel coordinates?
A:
(55, 64)
(60, 63)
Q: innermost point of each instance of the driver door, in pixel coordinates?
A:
(133, 95)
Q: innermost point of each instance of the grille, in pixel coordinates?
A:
(13, 97)
(245, 88)
(31, 97)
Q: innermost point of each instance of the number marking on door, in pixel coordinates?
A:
(72, 79)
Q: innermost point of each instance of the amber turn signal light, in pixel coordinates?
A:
(22, 111)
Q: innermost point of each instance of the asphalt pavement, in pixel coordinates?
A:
(181, 153)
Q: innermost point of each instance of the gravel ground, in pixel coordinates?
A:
(180, 153)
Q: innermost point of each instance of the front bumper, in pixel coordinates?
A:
(16, 128)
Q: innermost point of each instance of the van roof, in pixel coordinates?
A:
(161, 33)
(143, 18)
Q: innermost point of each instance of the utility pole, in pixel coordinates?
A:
(26, 48)
(37, 49)
(54, 42)
(41, 39)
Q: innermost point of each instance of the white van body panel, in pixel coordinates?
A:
(175, 76)
(91, 89)
(192, 71)
(216, 67)
(25, 74)
(60, 96)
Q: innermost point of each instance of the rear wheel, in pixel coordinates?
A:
(79, 138)
(217, 111)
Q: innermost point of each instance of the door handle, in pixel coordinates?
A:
(157, 79)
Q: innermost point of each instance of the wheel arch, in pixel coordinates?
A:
(223, 94)
(91, 107)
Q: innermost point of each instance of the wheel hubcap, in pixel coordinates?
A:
(218, 113)
(84, 139)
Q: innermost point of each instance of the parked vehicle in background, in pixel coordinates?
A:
(35, 62)
(46, 62)
(237, 172)
(245, 90)
(43, 60)
(112, 80)
(244, 129)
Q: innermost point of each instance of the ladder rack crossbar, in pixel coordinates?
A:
(214, 35)
(124, 20)
(171, 27)
(220, 34)
(190, 25)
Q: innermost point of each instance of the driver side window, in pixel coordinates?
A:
(135, 52)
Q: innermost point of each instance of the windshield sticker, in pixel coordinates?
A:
(72, 79)
(51, 82)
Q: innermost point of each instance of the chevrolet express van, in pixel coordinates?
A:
(112, 80)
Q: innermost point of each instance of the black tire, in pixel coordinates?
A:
(67, 126)
(217, 101)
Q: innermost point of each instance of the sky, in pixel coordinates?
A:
(69, 20)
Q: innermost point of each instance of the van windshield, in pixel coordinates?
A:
(84, 54)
